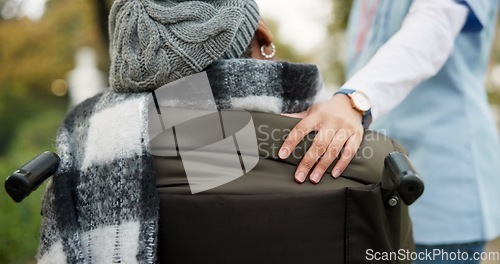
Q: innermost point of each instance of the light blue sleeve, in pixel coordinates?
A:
(478, 14)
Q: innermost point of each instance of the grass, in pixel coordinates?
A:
(20, 223)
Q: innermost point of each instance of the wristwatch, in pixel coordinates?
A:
(361, 103)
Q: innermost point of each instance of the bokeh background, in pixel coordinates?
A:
(42, 65)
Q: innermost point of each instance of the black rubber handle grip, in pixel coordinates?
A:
(404, 176)
(31, 175)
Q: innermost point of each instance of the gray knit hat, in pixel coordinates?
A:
(154, 42)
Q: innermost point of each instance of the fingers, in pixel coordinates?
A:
(302, 129)
(339, 127)
(348, 153)
(328, 158)
(326, 147)
(319, 147)
(347, 140)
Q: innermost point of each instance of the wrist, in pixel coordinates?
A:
(359, 102)
(344, 101)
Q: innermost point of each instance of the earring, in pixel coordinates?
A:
(263, 51)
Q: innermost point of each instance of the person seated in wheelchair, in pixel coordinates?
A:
(195, 108)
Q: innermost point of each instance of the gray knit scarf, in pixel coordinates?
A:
(101, 206)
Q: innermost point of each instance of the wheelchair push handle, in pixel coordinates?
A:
(31, 175)
(399, 173)
(402, 176)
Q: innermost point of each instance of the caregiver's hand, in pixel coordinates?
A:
(338, 126)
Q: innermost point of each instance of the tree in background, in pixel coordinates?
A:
(337, 32)
(35, 54)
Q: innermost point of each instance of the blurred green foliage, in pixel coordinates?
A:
(334, 69)
(33, 55)
(19, 223)
(494, 94)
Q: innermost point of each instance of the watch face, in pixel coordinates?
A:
(361, 101)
